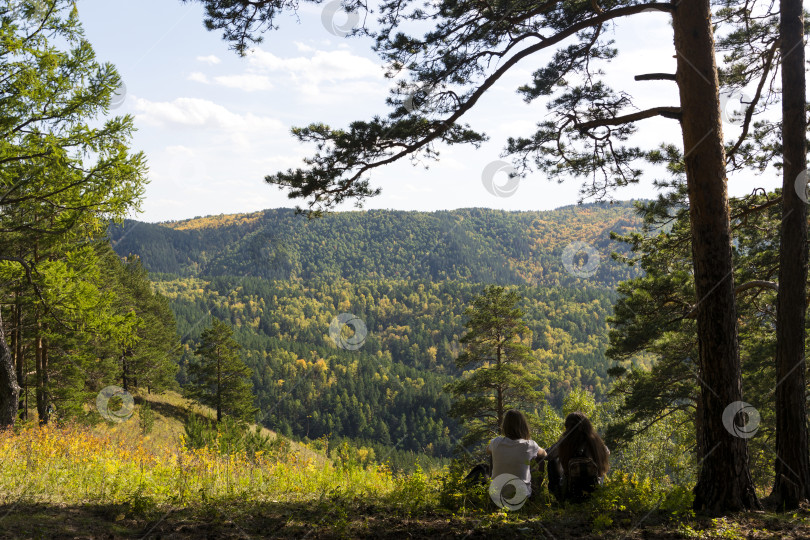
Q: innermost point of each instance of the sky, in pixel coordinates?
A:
(213, 124)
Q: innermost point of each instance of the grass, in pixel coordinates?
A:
(172, 410)
(110, 481)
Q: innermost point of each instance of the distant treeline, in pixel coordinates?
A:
(476, 245)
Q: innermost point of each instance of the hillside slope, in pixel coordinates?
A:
(171, 410)
(281, 280)
(478, 245)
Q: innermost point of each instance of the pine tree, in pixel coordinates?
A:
(149, 359)
(497, 365)
(220, 379)
(64, 172)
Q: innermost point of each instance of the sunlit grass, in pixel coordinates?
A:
(76, 464)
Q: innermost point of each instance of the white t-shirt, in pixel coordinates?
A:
(513, 457)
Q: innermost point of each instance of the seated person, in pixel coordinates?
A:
(513, 451)
(578, 462)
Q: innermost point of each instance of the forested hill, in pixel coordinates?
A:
(474, 245)
(281, 280)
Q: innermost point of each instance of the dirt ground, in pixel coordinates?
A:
(318, 521)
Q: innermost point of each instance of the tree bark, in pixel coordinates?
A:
(42, 409)
(219, 389)
(724, 482)
(125, 372)
(501, 412)
(17, 352)
(792, 465)
(9, 390)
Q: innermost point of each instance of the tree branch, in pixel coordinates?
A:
(756, 283)
(666, 112)
(753, 284)
(656, 77)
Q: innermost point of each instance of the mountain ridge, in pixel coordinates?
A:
(482, 245)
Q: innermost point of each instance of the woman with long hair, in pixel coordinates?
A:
(513, 452)
(578, 461)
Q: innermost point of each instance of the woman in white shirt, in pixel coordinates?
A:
(513, 452)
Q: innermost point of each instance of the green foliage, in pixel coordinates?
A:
(416, 491)
(66, 170)
(471, 245)
(389, 392)
(547, 426)
(455, 494)
(146, 418)
(497, 366)
(279, 284)
(232, 437)
(579, 399)
(220, 379)
(654, 314)
(719, 528)
(348, 456)
(152, 348)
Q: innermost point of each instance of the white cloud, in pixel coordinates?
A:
(320, 67)
(247, 82)
(204, 114)
(210, 59)
(303, 47)
(199, 77)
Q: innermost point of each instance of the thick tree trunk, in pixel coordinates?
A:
(700, 446)
(9, 390)
(724, 482)
(792, 466)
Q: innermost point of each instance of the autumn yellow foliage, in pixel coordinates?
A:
(76, 464)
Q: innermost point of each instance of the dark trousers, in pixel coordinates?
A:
(555, 478)
(478, 475)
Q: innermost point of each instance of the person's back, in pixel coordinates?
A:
(581, 475)
(578, 462)
(513, 452)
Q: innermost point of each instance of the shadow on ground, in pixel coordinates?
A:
(322, 520)
(165, 409)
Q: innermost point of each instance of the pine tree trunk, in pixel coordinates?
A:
(700, 445)
(724, 482)
(219, 389)
(9, 390)
(501, 412)
(125, 373)
(46, 380)
(19, 360)
(42, 411)
(792, 466)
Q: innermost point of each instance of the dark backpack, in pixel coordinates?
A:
(582, 477)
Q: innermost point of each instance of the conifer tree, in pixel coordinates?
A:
(64, 172)
(220, 379)
(496, 364)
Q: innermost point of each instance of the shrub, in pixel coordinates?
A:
(231, 437)
(146, 418)
(456, 494)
